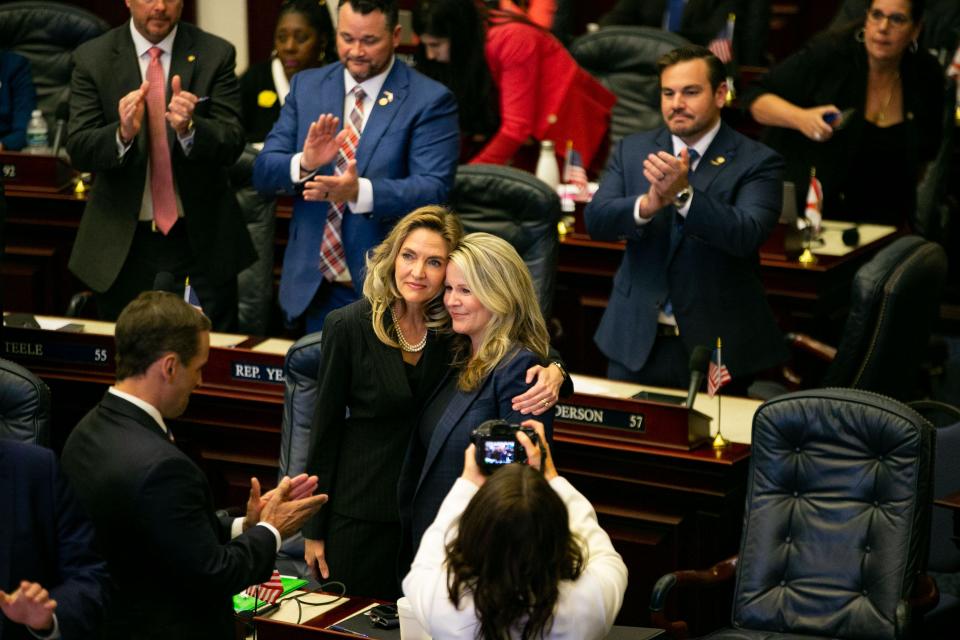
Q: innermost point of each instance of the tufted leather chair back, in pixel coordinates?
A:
(301, 366)
(517, 207)
(624, 60)
(46, 33)
(837, 516)
(24, 405)
(894, 301)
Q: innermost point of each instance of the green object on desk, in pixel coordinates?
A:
(243, 602)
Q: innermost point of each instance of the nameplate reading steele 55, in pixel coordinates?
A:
(595, 416)
(59, 352)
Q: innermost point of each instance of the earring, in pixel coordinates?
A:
(859, 36)
(914, 46)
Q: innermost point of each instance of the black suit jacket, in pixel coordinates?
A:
(106, 70)
(365, 413)
(45, 538)
(173, 564)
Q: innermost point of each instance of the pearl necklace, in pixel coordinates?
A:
(404, 345)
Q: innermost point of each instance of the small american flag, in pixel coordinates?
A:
(573, 171)
(814, 209)
(190, 296)
(269, 591)
(718, 374)
(722, 45)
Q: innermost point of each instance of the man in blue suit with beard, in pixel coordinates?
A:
(397, 150)
(694, 200)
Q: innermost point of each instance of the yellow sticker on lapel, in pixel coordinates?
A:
(191, 58)
(719, 160)
(266, 98)
(386, 99)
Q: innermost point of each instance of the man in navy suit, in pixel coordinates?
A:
(404, 142)
(51, 582)
(694, 200)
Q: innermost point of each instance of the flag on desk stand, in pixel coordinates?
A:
(814, 209)
(717, 376)
(190, 296)
(268, 591)
(573, 171)
(953, 71)
(722, 47)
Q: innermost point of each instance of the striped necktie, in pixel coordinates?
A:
(161, 171)
(333, 260)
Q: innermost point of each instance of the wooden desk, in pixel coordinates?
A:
(665, 509)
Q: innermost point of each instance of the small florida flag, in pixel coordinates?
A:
(814, 210)
(717, 374)
(269, 591)
(573, 171)
(190, 296)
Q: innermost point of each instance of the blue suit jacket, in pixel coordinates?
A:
(709, 267)
(408, 150)
(427, 476)
(44, 538)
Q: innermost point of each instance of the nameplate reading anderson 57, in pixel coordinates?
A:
(600, 417)
(253, 372)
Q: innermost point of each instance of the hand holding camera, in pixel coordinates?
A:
(496, 443)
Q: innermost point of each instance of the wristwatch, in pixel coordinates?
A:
(682, 197)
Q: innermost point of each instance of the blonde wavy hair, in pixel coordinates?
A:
(501, 282)
(380, 283)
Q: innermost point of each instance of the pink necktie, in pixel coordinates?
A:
(333, 261)
(161, 172)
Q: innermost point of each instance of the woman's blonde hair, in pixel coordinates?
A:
(501, 282)
(380, 283)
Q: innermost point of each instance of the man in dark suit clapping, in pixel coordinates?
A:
(155, 113)
(175, 564)
(694, 200)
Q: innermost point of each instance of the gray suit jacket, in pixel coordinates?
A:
(106, 70)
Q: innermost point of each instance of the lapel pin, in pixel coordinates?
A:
(191, 58)
(386, 99)
(719, 160)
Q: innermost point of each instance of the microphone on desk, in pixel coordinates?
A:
(851, 236)
(699, 361)
(164, 281)
(62, 114)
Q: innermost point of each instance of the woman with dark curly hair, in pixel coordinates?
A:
(526, 559)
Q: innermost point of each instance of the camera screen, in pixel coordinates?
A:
(499, 451)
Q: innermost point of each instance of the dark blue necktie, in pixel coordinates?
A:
(675, 14)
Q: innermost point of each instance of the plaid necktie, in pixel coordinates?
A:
(333, 261)
(161, 172)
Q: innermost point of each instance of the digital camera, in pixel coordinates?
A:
(497, 444)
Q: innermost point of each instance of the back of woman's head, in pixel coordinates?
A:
(512, 549)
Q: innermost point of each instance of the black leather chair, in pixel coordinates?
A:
(894, 301)
(301, 366)
(517, 207)
(24, 405)
(836, 525)
(46, 33)
(255, 283)
(624, 60)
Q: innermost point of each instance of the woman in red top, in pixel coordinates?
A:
(541, 92)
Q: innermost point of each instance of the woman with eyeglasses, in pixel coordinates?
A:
(862, 106)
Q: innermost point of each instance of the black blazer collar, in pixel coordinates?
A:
(116, 404)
